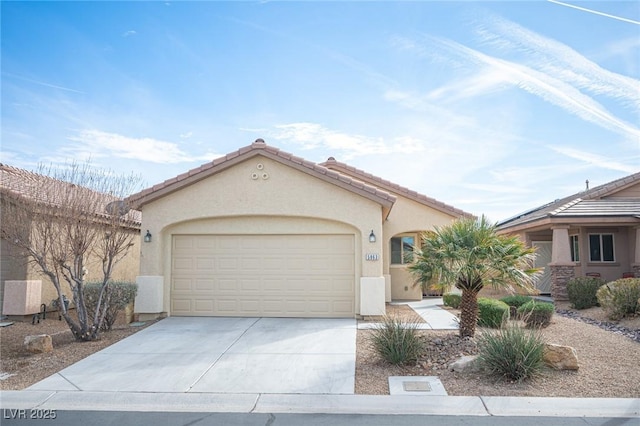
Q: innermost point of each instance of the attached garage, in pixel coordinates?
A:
(263, 275)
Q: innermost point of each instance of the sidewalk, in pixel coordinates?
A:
(322, 404)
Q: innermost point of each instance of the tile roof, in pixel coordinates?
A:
(259, 147)
(16, 182)
(589, 203)
(332, 164)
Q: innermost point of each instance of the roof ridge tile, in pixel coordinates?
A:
(416, 196)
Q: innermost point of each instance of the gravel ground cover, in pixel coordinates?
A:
(608, 354)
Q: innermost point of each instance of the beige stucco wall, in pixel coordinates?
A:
(126, 270)
(232, 202)
(631, 192)
(408, 217)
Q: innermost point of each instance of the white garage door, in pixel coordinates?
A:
(263, 275)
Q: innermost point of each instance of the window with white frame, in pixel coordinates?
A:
(575, 248)
(402, 250)
(601, 248)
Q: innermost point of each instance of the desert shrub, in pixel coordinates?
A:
(397, 341)
(452, 300)
(515, 301)
(118, 294)
(492, 312)
(511, 352)
(620, 298)
(536, 313)
(582, 291)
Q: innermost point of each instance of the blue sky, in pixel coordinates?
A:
(493, 107)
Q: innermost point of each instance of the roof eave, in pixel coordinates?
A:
(218, 165)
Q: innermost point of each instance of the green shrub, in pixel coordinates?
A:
(582, 291)
(452, 300)
(515, 301)
(536, 313)
(397, 341)
(118, 294)
(511, 352)
(620, 298)
(492, 312)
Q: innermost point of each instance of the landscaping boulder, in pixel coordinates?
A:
(39, 343)
(560, 357)
(464, 364)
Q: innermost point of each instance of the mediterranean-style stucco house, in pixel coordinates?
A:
(23, 288)
(261, 232)
(595, 232)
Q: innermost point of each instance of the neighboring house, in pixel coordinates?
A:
(24, 277)
(595, 232)
(260, 232)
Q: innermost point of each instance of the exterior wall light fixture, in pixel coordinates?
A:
(147, 237)
(372, 237)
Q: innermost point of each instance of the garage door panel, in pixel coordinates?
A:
(249, 307)
(226, 306)
(203, 306)
(341, 286)
(225, 242)
(250, 263)
(183, 241)
(263, 275)
(227, 284)
(204, 264)
(248, 285)
(183, 306)
(206, 285)
(227, 264)
(342, 306)
(182, 284)
(182, 263)
(274, 263)
(295, 263)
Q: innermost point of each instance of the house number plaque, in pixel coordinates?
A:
(372, 256)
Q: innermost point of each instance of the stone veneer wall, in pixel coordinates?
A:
(636, 271)
(560, 275)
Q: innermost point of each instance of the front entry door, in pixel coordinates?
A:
(543, 258)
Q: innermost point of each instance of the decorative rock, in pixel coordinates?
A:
(464, 364)
(39, 343)
(609, 326)
(560, 357)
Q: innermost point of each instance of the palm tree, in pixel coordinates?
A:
(470, 254)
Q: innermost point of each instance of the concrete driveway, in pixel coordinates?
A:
(222, 355)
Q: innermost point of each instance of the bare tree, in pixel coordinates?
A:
(59, 219)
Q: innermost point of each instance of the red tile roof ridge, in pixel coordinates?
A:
(256, 146)
(409, 193)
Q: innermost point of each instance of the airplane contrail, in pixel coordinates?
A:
(619, 18)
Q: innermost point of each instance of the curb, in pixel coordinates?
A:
(322, 404)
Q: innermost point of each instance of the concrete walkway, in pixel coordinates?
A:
(435, 317)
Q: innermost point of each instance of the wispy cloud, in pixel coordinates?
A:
(559, 61)
(97, 144)
(42, 83)
(496, 74)
(129, 33)
(313, 136)
(594, 159)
